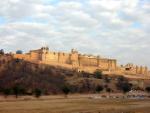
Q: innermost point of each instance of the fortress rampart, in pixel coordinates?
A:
(74, 60)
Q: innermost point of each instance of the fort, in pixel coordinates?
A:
(80, 62)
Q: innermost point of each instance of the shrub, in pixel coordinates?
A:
(107, 79)
(66, 90)
(147, 89)
(18, 90)
(121, 79)
(108, 90)
(37, 92)
(99, 88)
(6, 92)
(98, 74)
(124, 86)
(2, 52)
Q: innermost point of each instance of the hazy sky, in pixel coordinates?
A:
(111, 28)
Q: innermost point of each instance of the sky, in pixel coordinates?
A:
(117, 29)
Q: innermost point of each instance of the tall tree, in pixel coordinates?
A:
(16, 91)
(6, 92)
(98, 74)
(38, 92)
(124, 86)
(148, 89)
(99, 88)
(2, 52)
(66, 90)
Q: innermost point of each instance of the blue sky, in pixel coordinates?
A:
(110, 28)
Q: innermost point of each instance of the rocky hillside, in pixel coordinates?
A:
(51, 80)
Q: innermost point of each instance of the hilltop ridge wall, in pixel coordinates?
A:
(74, 60)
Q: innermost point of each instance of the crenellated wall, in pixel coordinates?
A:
(64, 58)
(81, 62)
(133, 69)
(73, 59)
(51, 57)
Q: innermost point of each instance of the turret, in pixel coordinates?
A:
(44, 51)
(146, 70)
(98, 60)
(74, 51)
(74, 58)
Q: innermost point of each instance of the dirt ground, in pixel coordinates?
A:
(73, 104)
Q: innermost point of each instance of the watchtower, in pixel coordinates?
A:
(44, 51)
(74, 58)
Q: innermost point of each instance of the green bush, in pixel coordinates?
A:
(37, 92)
(98, 74)
(66, 90)
(99, 88)
(147, 89)
(124, 86)
(6, 92)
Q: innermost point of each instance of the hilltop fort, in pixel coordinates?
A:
(81, 62)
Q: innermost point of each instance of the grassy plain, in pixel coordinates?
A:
(72, 104)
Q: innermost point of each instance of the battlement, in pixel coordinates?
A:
(82, 62)
(74, 51)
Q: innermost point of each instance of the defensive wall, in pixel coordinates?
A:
(75, 60)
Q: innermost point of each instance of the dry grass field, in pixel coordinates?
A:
(72, 104)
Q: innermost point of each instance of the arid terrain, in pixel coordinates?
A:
(26, 81)
(72, 104)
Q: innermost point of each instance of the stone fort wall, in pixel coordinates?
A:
(74, 60)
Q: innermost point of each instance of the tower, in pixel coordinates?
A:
(44, 51)
(146, 70)
(74, 58)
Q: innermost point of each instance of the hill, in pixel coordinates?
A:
(51, 80)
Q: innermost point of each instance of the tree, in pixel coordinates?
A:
(148, 89)
(108, 90)
(121, 79)
(66, 90)
(98, 74)
(6, 92)
(19, 52)
(2, 52)
(107, 79)
(124, 86)
(16, 91)
(86, 85)
(37, 92)
(22, 91)
(99, 88)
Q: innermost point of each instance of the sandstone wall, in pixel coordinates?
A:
(113, 64)
(80, 62)
(104, 64)
(64, 58)
(85, 61)
(19, 56)
(35, 56)
(51, 57)
(74, 59)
